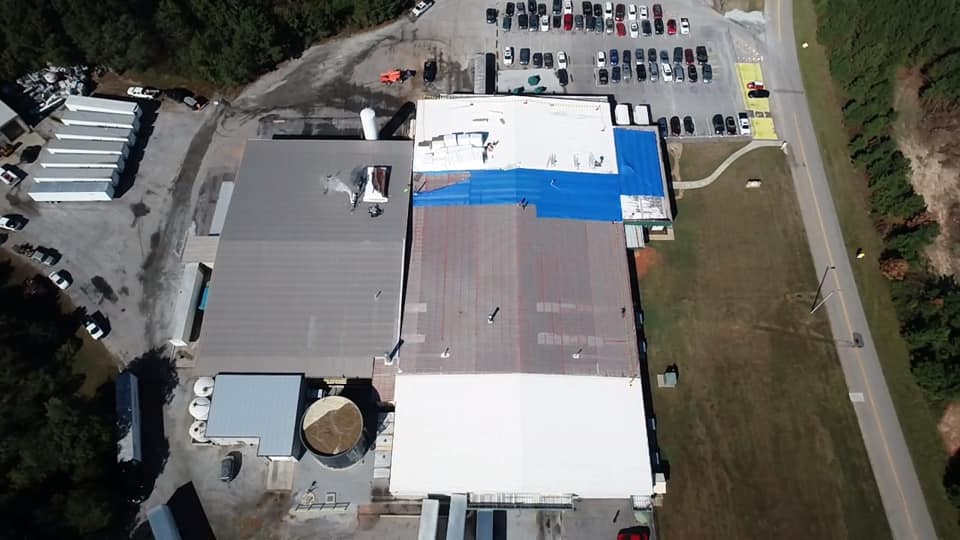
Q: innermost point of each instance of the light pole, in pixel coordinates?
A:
(815, 306)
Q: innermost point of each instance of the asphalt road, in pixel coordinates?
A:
(893, 469)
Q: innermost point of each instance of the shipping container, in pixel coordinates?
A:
(43, 176)
(96, 119)
(108, 148)
(82, 161)
(82, 133)
(102, 105)
(72, 191)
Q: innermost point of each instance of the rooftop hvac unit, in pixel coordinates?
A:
(375, 188)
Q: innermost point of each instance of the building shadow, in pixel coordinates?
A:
(401, 117)
(671, 192)
(148, 118)
(188, 513)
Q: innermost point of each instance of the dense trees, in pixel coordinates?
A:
(868, 42)
(57, 452)
(225, 42)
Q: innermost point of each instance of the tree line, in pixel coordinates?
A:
(224, 42)
(867, 43)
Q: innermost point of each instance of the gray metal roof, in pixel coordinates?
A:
(302, 284)
(562, 286)
(261, 406)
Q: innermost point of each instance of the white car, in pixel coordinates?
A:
(667, 72)
(143, 92)
(643, 12)
(744, 123)
(632, 12)
(421, 7)
(608, 10)
(61, 279)
(94, 329)
(12, 223)
(10, 176)
(634, 30)
(545, 23)
(684, 26)
(508, 56)
(601, 59)
(561, 60)
(568, 7)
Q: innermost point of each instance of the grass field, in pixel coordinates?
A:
(93, 359)
(849, 188)
(760, 435)
(699, 160)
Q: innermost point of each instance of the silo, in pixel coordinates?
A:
(332, 428)
(368, 119)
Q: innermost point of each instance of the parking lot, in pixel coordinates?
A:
(697, 99)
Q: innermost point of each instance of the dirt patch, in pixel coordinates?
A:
(949, 428)
(646, 259)
(927, 138)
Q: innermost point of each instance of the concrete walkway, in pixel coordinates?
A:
(704, 182)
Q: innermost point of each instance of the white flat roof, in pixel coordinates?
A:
(520, 433)
(563, 134)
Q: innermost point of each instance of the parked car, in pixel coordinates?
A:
(758, 94)
(507, 23)
(625, 71)
(615, 74)
(143, 92)
(707, 73)
(537, 60)
(524, 56)
(744, 123)
(557, 21)
(662, 126)
(603, 77)
(675, 125)
(651, 55)
(421, 7)
(634, 533)
(521, 7)
(608, 10)
(688, 56)
(717, 124)
(568, 22)
(541, 9)
(544, 24)
(731, 126)
(626, 56)
(658, 27)
(509, 9)
(667, 72)
(61, 278)
(11, 174)
(684, 26)
(598, 11)
(643, 12)
(548, 60)
(646, 27)
(556, 7)
(578, 22)
(692, 73)
(598, 25)
(13, 222)
(586, 8)
(634, 30)
(678, 72)
(562, 77)
(94, 329)
(609, 23)
(532, 7)
(589, 23)
(561, 60)
(653, 71)
(702, 54)
(46, 256)
(429, 71)
(601, 59)
(491, 16)
(522, 20)
(507, 56)
(614, 57)
(657, 11)
(664, 56)
(677, 55)
(619, 12)
(641, 72)
(671, 27)
(688, 125)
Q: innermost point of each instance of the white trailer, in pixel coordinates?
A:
(98, 119)
(83, 161)
(72, 191)
(54, 174)
(105, 148)
(641, 115)
(621, 114)
(102, 105)
(82, 133)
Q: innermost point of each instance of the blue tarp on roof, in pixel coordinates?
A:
(558, 194)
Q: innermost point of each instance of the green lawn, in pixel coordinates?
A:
(848, 185)
(699, 160)
(760, 435)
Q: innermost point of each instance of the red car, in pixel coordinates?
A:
(671, 27)
(568, 22)
(642, 534)
(657, 11)
(621, 29)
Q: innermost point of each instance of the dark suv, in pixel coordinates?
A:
(701, 54)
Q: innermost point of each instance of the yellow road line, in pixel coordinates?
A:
(846, 315)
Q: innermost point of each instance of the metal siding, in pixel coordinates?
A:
(297, 273)
(457, 517)
(262, 406)
(429, 519)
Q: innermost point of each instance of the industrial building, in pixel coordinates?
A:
(89, 153)
(474, 278)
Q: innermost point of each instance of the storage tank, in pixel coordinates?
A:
(368, 119)
(203, 387)
(200, 408)
(332, 429)
(198, 431)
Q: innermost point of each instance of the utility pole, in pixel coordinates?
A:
(816, 298)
